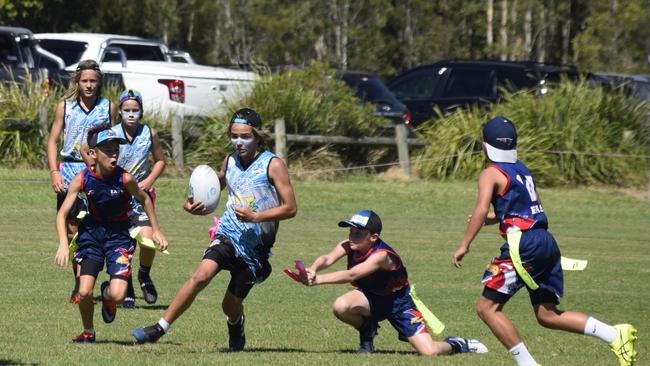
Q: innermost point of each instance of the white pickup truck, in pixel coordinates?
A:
(149, 66)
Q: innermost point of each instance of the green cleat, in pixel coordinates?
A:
(623, 345)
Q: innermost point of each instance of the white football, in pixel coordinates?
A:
(205, 187)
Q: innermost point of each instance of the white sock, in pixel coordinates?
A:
(522, 356)
(600, 330)
(164, 324)
(89, 330)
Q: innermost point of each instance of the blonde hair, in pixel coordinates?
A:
(73, 87)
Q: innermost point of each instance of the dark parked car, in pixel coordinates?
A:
(456, 83)
(369, 89)
(636, 86)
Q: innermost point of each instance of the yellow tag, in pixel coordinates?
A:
(145, 242)
(429, 318)
(513, 243)
(72, 247)
(570, 264)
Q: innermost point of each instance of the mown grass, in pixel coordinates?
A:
(288, 324)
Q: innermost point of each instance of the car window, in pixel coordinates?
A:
(467, 83)
(368, 88)
(515, 79)
(417, 85)
(138, 52)
(69, 51)
(8, 51)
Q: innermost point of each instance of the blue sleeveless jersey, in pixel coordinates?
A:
(249, 187)
(134, 155)
(77, 122)
(108, 199)
(517, 207)
(381, 282)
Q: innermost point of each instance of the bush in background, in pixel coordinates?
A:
(574, 134)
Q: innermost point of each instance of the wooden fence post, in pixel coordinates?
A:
(280, 139)
(177, 139)
(402, 148)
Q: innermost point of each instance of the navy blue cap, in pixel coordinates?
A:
(500, 140)
(365, 220)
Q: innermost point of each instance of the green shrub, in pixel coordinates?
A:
(574, 134)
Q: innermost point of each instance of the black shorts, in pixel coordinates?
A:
(241, 278)
(77, 207)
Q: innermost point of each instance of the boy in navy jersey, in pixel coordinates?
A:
(382, 290)
(530, 257)
(103, 235)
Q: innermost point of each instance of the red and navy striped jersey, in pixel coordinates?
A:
(108, 199)
(381, 282)
(517, 206)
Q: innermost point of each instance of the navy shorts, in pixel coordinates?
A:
(106, 243)
(540, 256)
(399, 309)
(241, 278)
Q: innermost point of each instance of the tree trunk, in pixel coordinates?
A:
(515, 49)
(340, 12)
(566, 39)
(541, 39)
(408, 37)
(489, 35)
(503, 31)
(528, 30)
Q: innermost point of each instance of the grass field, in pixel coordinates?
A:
(288, 324)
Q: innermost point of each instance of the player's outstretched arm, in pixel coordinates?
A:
(372, 264)
(133, 189)
(326, 260)
(487, 185)
(61, 257)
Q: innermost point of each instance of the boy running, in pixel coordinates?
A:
(104, 233)
(382, 290)
(530, 257)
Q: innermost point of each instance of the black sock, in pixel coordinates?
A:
(76, 279)
(130, 292)
(144, 269)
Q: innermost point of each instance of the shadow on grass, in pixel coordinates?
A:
(134, 343)
(267, 349)
(152, 307)
(12, 362)
(379, 352)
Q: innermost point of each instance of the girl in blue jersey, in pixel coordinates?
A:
(530, 257)
(260, 194)
(82, 108)
(104, 232)
(134, 158)
(382, 290)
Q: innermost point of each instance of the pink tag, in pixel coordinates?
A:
(213, 230)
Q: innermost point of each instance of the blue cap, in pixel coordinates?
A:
(131, 94)
(109, 134)
(500, 140)
(365, 220)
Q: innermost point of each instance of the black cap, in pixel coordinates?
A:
(366, 220)
(247, 116)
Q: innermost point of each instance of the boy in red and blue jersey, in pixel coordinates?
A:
(530, 257)
(103, 235)
(382, 290)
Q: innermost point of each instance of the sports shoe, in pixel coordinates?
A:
(236, 335)
(623, 345)
(466, 345)
(148, 289)
(150, 334)
(109, 308)
(367, 333)
(84, 337)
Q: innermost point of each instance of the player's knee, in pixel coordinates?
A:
(546, 319)
(200, 280)
(482, 310)
(85, 293)
(340, 307)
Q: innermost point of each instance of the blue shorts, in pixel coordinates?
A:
(106, 243)
(540, 256)
(399, 309)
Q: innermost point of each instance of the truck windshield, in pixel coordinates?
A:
(69, 51)
(8, 51)
(140, 52)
